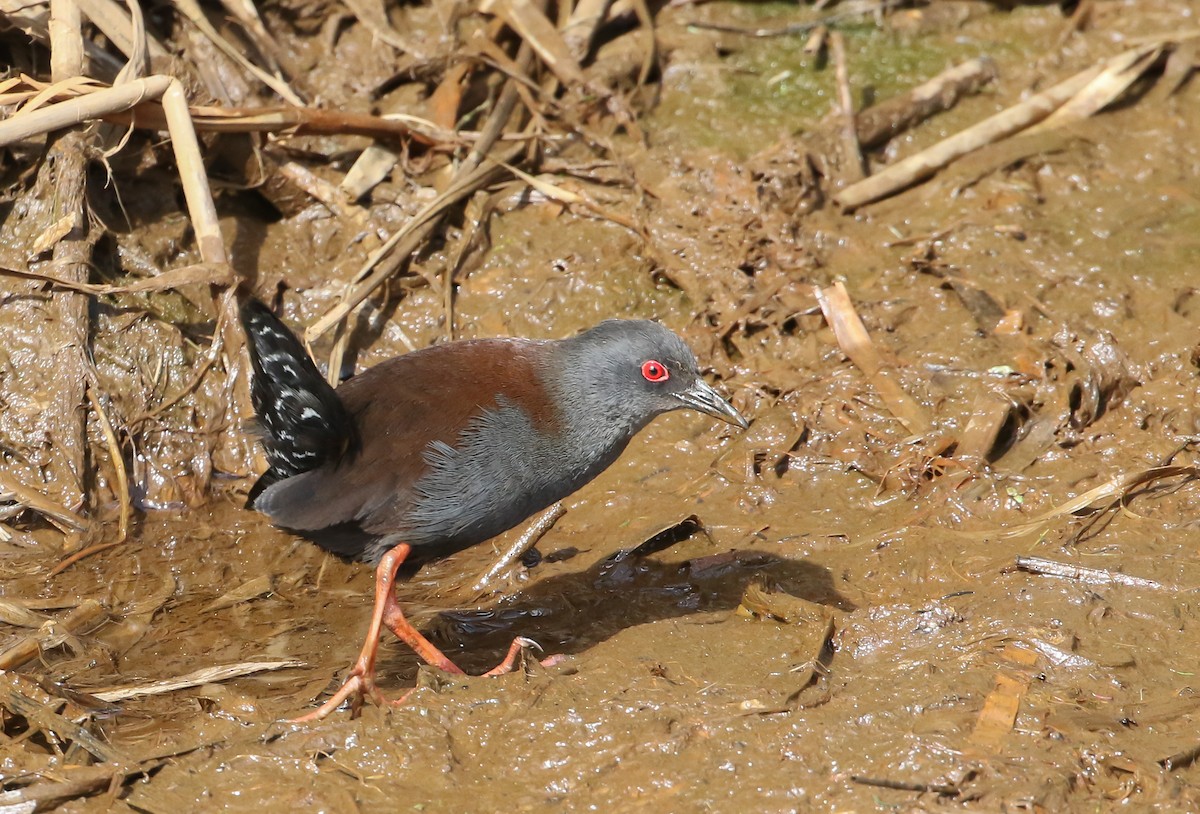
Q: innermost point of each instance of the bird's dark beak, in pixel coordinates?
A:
(703, 398)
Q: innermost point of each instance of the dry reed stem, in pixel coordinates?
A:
(117, 23)
(298, 121)
(580, 28)
(20, 616)
(641, 8)
(44, 717)
(203, 214)
(207, 118)
(534, 28)
(193, 176)
(208, 675)
(200, 273)
(498, 119)
(66, 40)
(1121, 72)
(31, 94)
(94, 105)
(82, 781)
(245, 12)
(33, 18)
(139, 53)
(571, 199)
(816, 41)
(11, 490)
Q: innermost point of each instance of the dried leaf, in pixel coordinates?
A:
(253, 589)
(1000, 709)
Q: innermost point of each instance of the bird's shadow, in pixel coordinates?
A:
(570, 613)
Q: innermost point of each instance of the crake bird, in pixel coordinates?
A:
(437, 450)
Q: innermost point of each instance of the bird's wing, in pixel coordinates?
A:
(404, 407)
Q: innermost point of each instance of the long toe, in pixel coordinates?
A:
(520, 645)
(353, 687)
(359, 685)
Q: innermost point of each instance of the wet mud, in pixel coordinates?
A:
(863, 618)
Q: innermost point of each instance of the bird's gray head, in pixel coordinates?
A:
(623, 373)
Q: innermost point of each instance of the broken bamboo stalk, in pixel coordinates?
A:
(886, 120)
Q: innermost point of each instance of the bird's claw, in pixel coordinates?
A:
(530, 644)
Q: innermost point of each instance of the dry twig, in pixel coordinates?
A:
(852, 159)
(528, 539)
(906, 785)
(118, 462)
(1092, 576)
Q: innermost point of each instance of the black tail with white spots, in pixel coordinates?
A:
(304, 423)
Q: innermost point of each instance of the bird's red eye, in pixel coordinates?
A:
(654, 371)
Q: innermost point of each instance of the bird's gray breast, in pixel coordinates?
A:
(500, 470)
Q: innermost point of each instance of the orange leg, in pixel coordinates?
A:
(361, 680)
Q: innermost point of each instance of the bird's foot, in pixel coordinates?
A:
(361, 684)
(520, 645)
(358, 685)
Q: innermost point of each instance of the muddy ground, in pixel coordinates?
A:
(849, 630)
